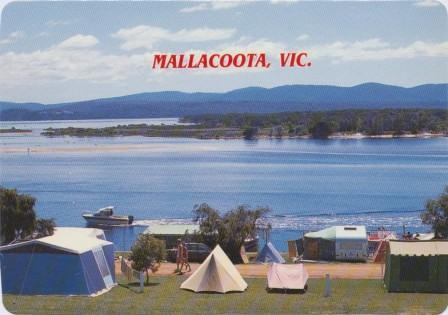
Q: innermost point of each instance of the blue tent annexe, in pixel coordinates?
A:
(73, 261)
(269, 254)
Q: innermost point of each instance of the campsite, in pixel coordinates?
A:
(224, 157)
(337, 269)
(270, 283)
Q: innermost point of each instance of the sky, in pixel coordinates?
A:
(53, 52)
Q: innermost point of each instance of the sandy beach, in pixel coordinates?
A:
(385, 136)
(207, 146)
(110, 148)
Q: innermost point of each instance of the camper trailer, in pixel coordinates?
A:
(346, 243)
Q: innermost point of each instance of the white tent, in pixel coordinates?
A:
(288, 277)
(215, 274)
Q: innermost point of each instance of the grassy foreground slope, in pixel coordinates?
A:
(163, 296)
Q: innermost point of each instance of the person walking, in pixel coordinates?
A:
(179, 256)
(185, 258)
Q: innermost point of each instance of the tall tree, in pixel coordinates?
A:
(210, 224)
(17, 215)
(250, 133)
(321, 130)
(229, 230)
(398, 124)
(436, 214)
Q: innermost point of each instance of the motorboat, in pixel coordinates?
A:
(105, 216)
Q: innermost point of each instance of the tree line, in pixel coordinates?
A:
(321, 124)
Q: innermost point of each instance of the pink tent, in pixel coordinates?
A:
(289, 277)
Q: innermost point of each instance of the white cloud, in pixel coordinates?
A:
(72, 59)
(284, 1)
(80, 60)
(427, 3)
(55, 23)
(43, 34)
(45, 66)
(214, 6)
(196, 8)
(244, 45)
(377, 49)
(12, 38)
(303, 37)
(79, 41)
(145, 36)
(202, 34)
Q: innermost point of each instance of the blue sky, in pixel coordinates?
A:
(67, 51)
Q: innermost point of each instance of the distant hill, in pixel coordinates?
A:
(29, 106)
(247, 100)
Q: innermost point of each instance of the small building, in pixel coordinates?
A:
(346, 243)
(417, 266)
(72, 261)
(170, 233)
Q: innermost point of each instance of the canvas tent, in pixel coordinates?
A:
(417, 266)
(336, 243)
(287, 277)
(72, 261)
(269, 254)
(215, 274)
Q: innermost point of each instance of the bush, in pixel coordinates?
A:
(147, 253)
(436, 214)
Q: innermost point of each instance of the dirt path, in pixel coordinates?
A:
(315, 270)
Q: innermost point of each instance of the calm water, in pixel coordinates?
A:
(38, 126)
(309, 184)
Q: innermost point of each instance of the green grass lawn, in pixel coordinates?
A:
(163, 296)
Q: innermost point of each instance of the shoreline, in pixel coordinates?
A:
(356, 136)
(425, 135)
(14, 131)
(223, 134)
(208, 144)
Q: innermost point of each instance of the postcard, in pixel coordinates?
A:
(224, 157)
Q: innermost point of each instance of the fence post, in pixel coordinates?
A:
(141, 276)
(327, 286)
